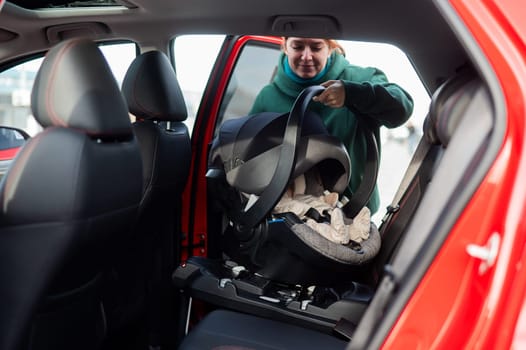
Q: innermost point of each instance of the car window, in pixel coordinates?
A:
(397, 144)
(17, 81)
(255, 68)
(194, 57)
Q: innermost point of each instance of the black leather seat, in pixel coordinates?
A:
(224, 329)
(65, 201)
(154, 97)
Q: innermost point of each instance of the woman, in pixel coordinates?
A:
(351, 92)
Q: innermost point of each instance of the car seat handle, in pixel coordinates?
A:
(362, 195)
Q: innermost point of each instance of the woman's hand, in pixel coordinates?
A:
(334, 94)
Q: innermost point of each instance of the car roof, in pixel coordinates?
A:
(415, 26)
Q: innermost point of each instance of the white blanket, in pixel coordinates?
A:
(340, 230)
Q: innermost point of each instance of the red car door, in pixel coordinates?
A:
(244, 65)
(467, 300)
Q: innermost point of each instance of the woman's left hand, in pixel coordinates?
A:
(333, 95)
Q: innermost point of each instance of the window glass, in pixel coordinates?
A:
(255, 68)
(15, 96)
(195, 56)
(119, 57)
(397, 144)
(398, 69)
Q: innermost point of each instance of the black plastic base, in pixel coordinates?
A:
(225, 284)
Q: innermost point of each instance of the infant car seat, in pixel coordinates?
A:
(252, 162)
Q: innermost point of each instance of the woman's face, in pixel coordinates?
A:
(307, 56)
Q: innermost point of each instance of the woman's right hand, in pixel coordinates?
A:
(334, 94)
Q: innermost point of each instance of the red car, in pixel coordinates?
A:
(177, 270)
(11, 140)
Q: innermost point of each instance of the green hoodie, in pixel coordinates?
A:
(368, 94)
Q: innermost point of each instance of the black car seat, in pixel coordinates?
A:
(256, 157)
(450, 104)
(65, 202)
(154, 97)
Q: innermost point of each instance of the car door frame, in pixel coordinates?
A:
(196, 240)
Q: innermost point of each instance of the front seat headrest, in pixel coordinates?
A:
(82, 94)
(151, 89)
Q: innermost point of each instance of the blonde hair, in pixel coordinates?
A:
(332, 43)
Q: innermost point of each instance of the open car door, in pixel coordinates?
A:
(244, 65)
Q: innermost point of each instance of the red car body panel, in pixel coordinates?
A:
(8, 154)
(455, 306)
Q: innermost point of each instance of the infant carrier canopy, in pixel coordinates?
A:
(259, 160)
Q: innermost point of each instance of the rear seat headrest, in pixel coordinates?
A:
(75, 88)
(151, 89)
(448, 105)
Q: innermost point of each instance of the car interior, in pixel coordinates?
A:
(100, 212)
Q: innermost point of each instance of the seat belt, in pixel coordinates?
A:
(414, 166)
(406, 199)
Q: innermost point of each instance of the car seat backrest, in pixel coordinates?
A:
(65, 201)
(447, 108)
(154, 97)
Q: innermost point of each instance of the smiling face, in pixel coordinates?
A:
(307, 56)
